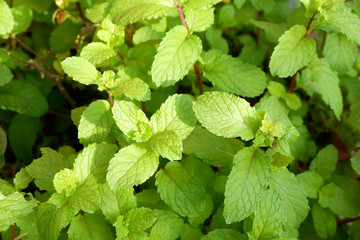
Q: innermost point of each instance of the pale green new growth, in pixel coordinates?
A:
(226, 115)
(167, 144)
(132, 121)
(97, 53)
(65, 182)
(95, 122)
(22, 179)
(292, 53)
(81, 70)
(177, 53)
(133, 88)
(246, 184)
(6, 18)
(131, 166)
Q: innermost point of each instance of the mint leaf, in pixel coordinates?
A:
(5, 74)
(23, 98)
(191, 233)
(177, 53)
(44, 169)
(270, 217)
(292, 195)
(194, 4)
(273, 30)
(97, 53)
(265, 5)
(318, 77)
(226, 115)
(340, 52)
(246, 184)
(311, 183)
(89, 227)
(212, 149)
(110, 33)
(23, 16)
(7, 20)
(176, 115)
(230, 75)
(178, 188)
(133, 88)
(167, 144)
(130, 11)
(131, 121)
(68, 32)
(355, 115)
(224, 234)
(22, 179)
(65, 182)
(324, 221)
(168, 225)
(325, 162)
(198, 20)
(355, 162)
(131, 166)
(13, 207)
(81, 70)
(292, 53)
(95, 122)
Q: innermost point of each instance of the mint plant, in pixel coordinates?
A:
(194, 119)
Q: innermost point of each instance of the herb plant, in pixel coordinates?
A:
(196, 119)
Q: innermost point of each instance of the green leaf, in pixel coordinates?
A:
(133, 88)
(226, 115)
(191, 233)
(355, 162)
(318, 77)
(198, 20)
(270, 217)
(216, 40)
(355, 115)
(273, 30)
(44, 169)
(292, 195)
(168, 225)
(325, 162)
(22, 179)
(195, 4)
(65, 182)
(212, 149)
(311, 183)
(176, 115)
(95, 122)
(167, 144)
(333, 197)
(292, 53)
(86, 197)
(23, 133)
(116, 202)
(67, 32)
(340, 52)
(264, 5)
(150, 198)
(239, 3)
(23, 16)
(246, 184)
(23, 98)
(176, 54)
(230, 75)
(13, 207)
(130, 11)
(81, 70)
(324, 221)
(6, 18)
(27, 224)
(178, 188)
(89, 227)
(354, 229)
(5, 75)
(140, 219)
(97, 53)
(113, 35)
(251, 52)
(224, 234)
(131, 166)
(227, 16)
(52, 218)
(76, 115)
(341, 17)
(132, 121)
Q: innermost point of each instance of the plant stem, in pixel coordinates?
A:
(128, 32)
(143, 106)
(110, 98)
(59, 114)
(347, 220)
(308, 30)
(181, 14)
(323, 41)
(293, 87)
(198, 78)
(257, 39)
(21, 236)
(13, 232)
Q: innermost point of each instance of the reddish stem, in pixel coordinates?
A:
(110, 98)
(292, 87)
(13, 232)
(143, 106)
(198, 78)
(308, 30)
(323, 41)
(347, 220)
(181, 14)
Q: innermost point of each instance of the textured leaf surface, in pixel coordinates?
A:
(183, 192)
(226, 115)
(12, 208)
(89, 227)
(246, 184)
(131, 121)
(212, 149)
(292, 53)
(195, 4)
(176, 115)
(230, 75)
(133, 88)
(325, 162)
(97, 53)
(95, 122)
(22, 179)
(6, 18)
(23, 98)
(292, 195)
(311, 183)
(324, 221)
(81, 70)
(176, 55)
(224, 234)
(198, 20)
(44, 169)
(321, 79)
(168, 225)
(167, 144)
(131, 166)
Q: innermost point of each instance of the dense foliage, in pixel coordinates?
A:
(179, 119)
